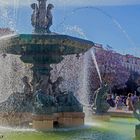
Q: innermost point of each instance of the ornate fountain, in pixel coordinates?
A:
(47, 103)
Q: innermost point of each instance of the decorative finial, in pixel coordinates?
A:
(41, 17)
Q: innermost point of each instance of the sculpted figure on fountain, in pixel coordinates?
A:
(27, 87)
(101, 105)
(41, 18)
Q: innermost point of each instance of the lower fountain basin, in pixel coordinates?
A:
(116, 129)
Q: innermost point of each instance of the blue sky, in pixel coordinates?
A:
(112, 22)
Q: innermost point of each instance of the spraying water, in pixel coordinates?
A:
(116, 23)
(96, 65)
(16, 6)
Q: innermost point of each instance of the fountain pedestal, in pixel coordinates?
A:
(71, 119)
(63, 119)
(42, 122)
(101, 117)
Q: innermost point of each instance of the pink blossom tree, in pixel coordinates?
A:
(111, 68)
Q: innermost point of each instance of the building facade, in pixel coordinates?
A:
(130, 62)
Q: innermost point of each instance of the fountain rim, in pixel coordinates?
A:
(60, 36)
(20, 41)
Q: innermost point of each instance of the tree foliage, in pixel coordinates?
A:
(111, 69)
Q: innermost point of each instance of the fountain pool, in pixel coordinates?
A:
(116, 129)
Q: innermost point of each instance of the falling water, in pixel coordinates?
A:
(12, 70)
(16, 6)
(75, 72)
(84, 96)
(9, 14)
(84, 92)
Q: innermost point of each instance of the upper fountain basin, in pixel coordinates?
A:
(43, 48)
(36, 43)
